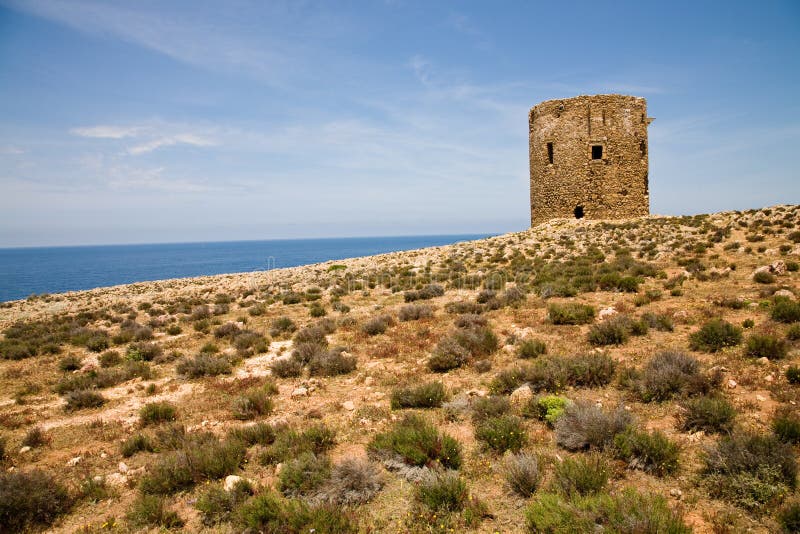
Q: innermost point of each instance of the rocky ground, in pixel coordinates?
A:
(296, 400)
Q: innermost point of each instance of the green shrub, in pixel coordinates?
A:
(547, 408)
(670, 374)
(709, 413)
(84, 398)
(331, 363)
(202, 457)
(267, 512)
(428, 292)
(35, 437)
(785, 310)
(581, 475)
(217, 505)
(137, 443)
(789, 517)
(418, 443)
(502, 433)
(764, 277)
(793, 374)
(628, 512)
(585, 426)
(531, 348)
(143, 352)
(428, 395)
(304, 474)
(651, 452)
(317, 310)
(449, 354)
(30, 499)
(444, 492)
(786, 424)
(415, 312)
(69, 363)
(282, 325)
(377, 325)
(110, 358)
(103, 378)
(261, 433)
(750, 470)
(252, 403)
(492, 406)
(522, 473)
(555, 373)
(174, 330)
(152, 511)
(286, 367)
(589, 370)
(614, 331)
(157, 412)
(715, 335)
(571, 313)
(793, 332)
(204, 365)
(766, 346)
(289, 443)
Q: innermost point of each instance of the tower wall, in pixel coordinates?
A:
(606, 183)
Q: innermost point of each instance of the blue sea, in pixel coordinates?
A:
(27, 271)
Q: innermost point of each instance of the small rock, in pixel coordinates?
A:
(349, 406)
(103, 455)
(676, 493)
(607, 312)
(784, 293)
(24, 449)
(778, 267)
(300, 392)
(74, 461)
(760, 398)
(732, 383)
(770, 377)
(763, 360)
(97, 479)
(231, 481)
(278, 468)
(116, 479)
(123, 467)
(369, 381)
(476, 392)
(521, 395)
(762, 269)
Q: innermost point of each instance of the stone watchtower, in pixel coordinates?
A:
(588, 158)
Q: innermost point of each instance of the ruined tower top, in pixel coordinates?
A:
(588, 158)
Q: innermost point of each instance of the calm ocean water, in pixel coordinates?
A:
(24, 271)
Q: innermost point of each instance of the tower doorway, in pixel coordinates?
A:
(578, 212)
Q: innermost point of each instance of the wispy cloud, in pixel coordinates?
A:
(151, 136)
(160, 142)
(106, 132)
(11, 150)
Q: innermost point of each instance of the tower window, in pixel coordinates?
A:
(578, 212)
(550, 153)
(597, 151)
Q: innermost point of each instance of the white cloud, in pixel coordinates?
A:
(160, 142)
(106, 132)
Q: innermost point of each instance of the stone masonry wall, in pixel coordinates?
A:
(615, 186)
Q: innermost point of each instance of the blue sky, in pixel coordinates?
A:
(152, 121)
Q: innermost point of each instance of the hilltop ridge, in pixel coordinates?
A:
(618, 351)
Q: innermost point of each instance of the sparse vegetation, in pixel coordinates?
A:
(30, 499)
(581, 475)
(418, 443)
(715, 335)
(571, 313)
(709, 413)
(430, 395)
(585, 426)
(751, 471)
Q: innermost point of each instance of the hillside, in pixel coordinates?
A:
(641, 374)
